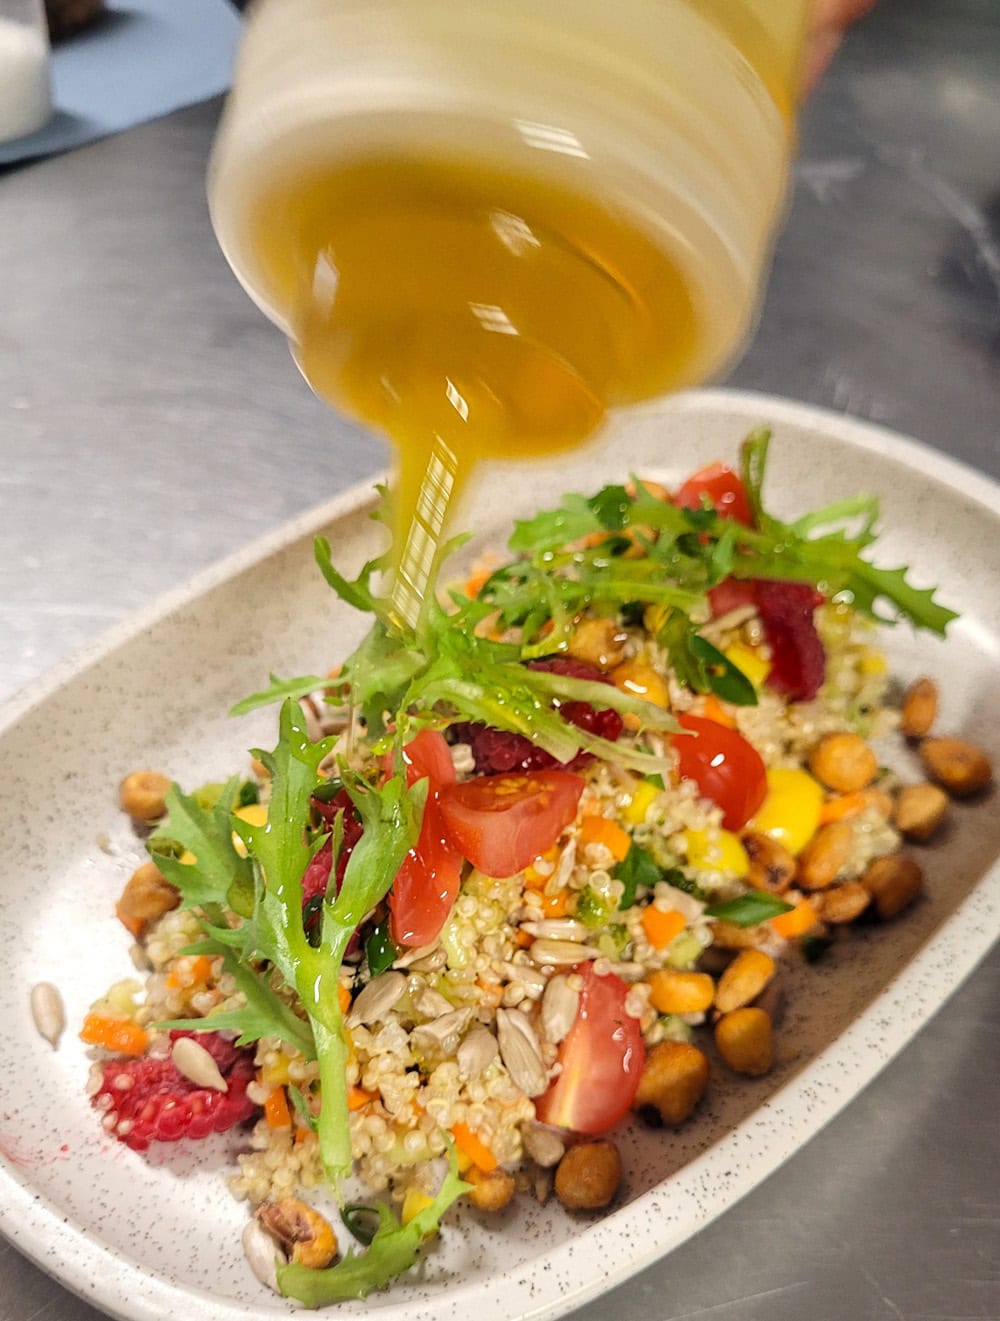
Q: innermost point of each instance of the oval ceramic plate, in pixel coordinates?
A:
(158, 1236)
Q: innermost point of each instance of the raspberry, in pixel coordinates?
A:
(496, 752)
(150, 1100)
(798, 661)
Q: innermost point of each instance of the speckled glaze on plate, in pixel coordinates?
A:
(158, 1236)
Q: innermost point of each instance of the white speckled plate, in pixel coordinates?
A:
(158, 1236)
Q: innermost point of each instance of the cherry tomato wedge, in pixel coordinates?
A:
(722, 487)
(726, 768)
(427, 883)
(602, 1060)
(503, 822)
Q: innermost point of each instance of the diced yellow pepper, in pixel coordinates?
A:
(254, 814)
(642, 800)
(749, 661)
(791, 811)
(722, 852)
(275, 1075)
(872, 663)
(414, 1202)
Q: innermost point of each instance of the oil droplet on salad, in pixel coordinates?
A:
(468, 312)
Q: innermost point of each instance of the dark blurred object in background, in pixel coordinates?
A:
(69, 16)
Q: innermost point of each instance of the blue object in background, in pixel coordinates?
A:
(143, 59)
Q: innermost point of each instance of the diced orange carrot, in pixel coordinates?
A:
(118, 1034)
(714, 710)
(661, 928)
(848, 805)
(302, 1135)
(475, 583)
(193, 970)
(358, 1097)
(556, 905)
(474, 1148)
(276, 1110)
(802, 918)
(601, 830)
(522, 940)
(344, 996)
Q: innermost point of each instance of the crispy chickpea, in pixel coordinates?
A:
(843, 762)
(746, 1041)
(143, 795)
(672, 1083)
(772, 866)
(920, 809)
(588, 1176)
(743, 980)
(648, 487)
(893, 883)
(826, 855)
(492, 1191)
(675, 992)
(147, 896)
(919, 708)
(960, 767)
(305, 1235)
(598, 642)
(843, 903)
(727, 935)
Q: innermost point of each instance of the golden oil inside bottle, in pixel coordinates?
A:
(467, 313)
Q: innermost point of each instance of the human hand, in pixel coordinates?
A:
(831, 19)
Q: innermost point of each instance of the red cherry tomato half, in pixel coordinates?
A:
(426, 885)
(725, 492)
(503, 822)
(726, 768)
(602, 1060)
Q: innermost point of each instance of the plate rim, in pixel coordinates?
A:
(106, 1278)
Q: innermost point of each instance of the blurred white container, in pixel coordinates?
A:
(25, 84)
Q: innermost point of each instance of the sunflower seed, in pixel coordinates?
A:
(530, 978)
(476, 1053)
(263, 1253)
(520, 1052)
(196, 1063)
(561, 953)
(48, 1012)
(430, 1003)
(557, 928)
(413, 956)
(462, 759)
(543, 1146)
(377, 998)
(560, 1005)
(441, 1036)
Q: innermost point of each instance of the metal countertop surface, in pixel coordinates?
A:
(152, 422)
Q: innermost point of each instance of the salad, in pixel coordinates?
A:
(522, 870)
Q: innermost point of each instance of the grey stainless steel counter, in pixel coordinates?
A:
(151, 422)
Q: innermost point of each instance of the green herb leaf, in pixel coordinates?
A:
(724, 678)
(302, 1106)
(814, 948)
(637, 868)
(749, 910)
(248, 795)
(611, 505)
(394, 1248)
(362, 1221)
(278, 690)
(207, 833)
(674, 877)
(379, 949)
